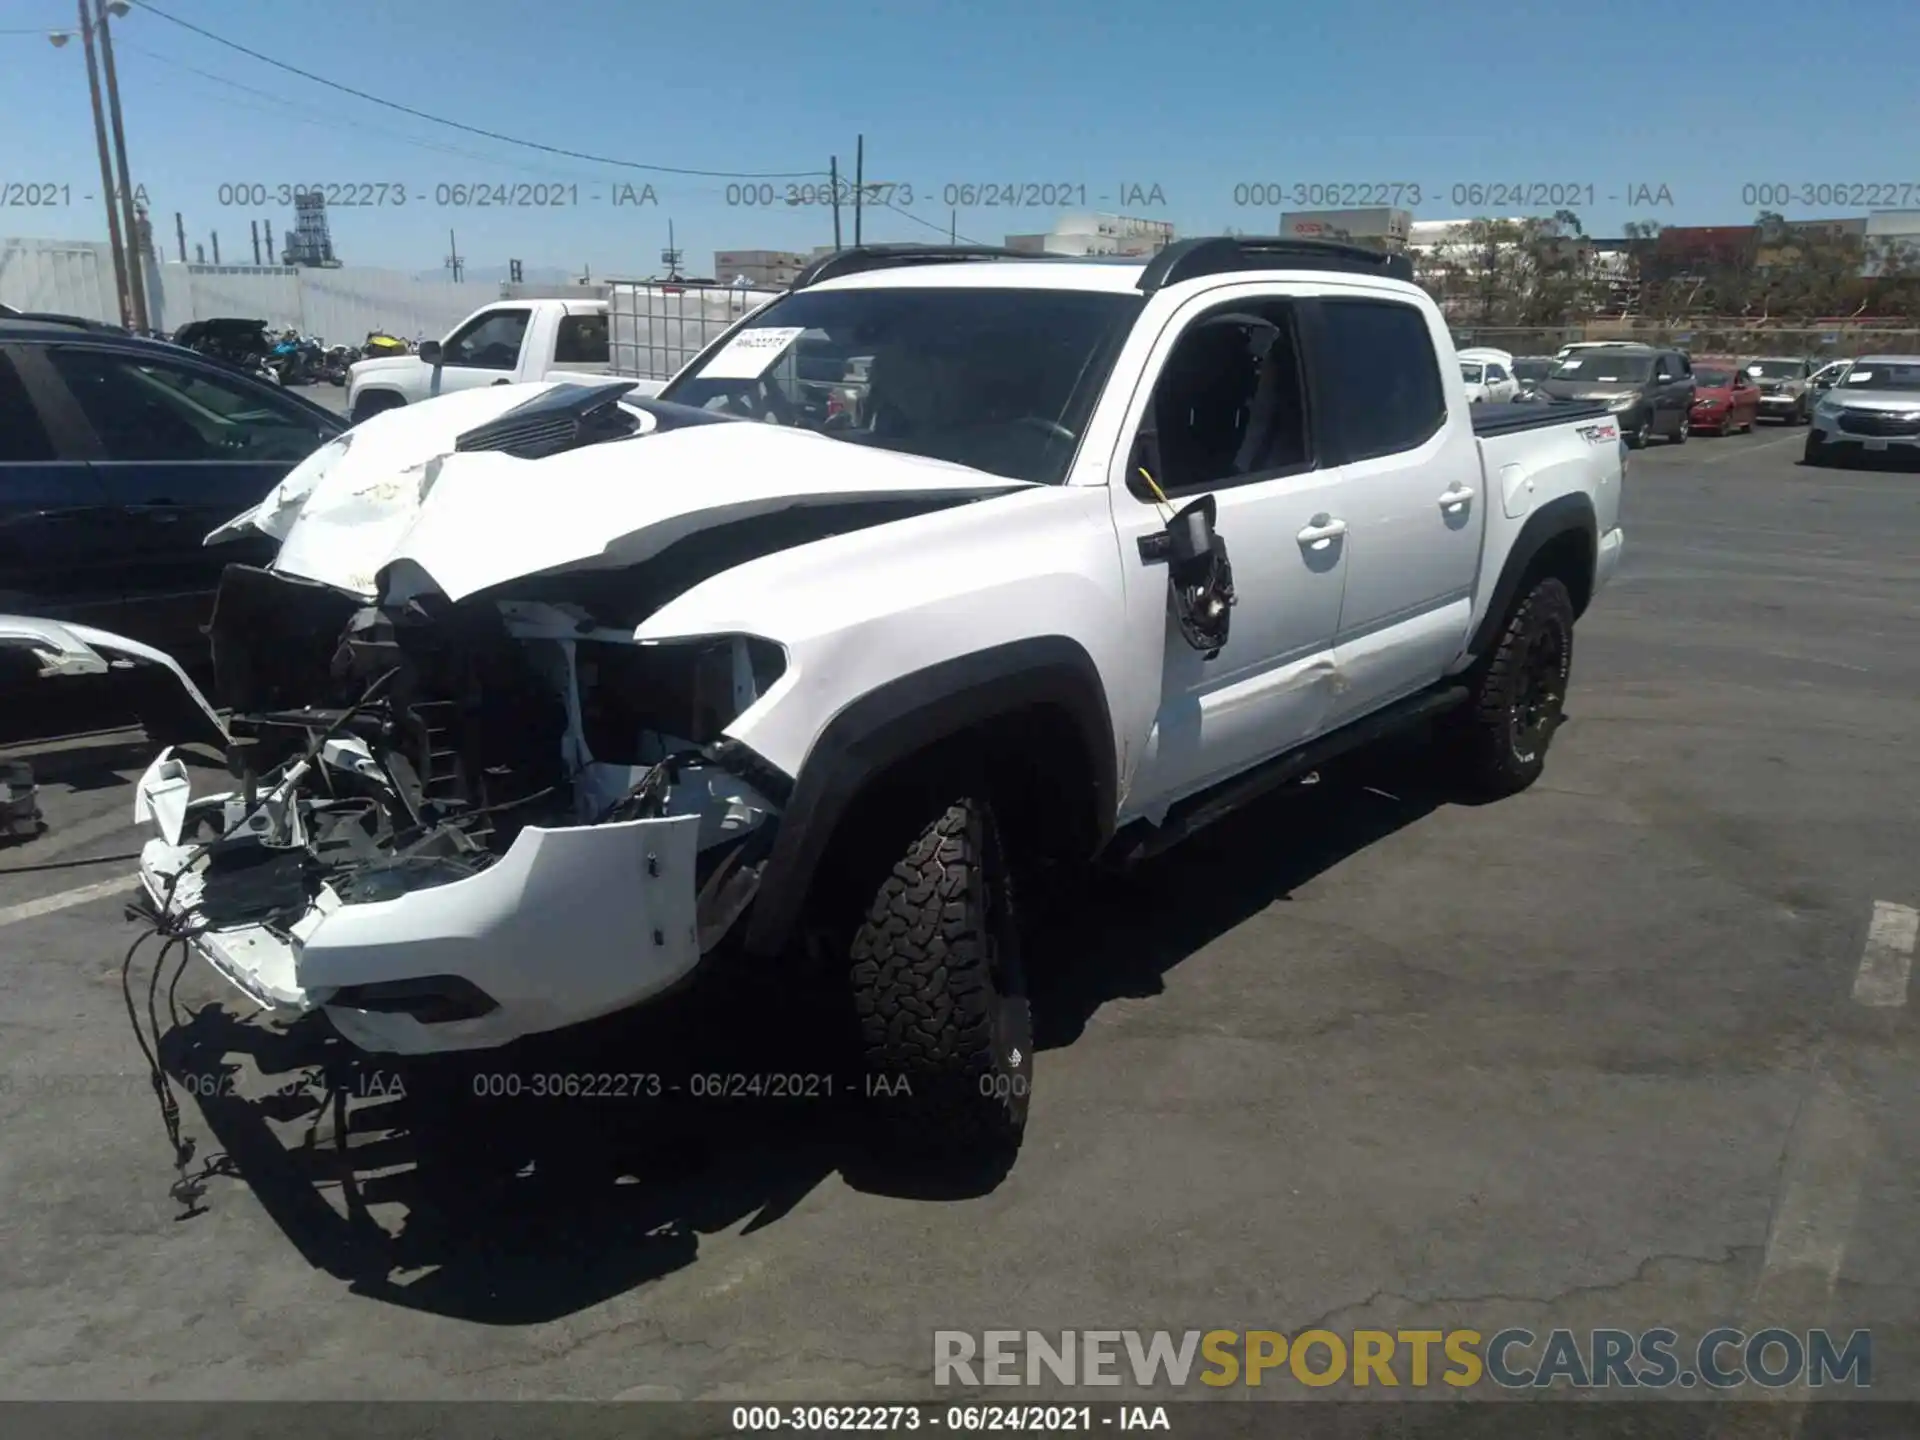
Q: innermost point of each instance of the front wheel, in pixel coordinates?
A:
(1517, 693)
(1685, 428)
(1638, 436)
(941, 997)
(1814, 454)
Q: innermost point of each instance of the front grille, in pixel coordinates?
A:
(1878, 422)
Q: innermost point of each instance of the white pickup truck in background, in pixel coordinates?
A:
(645, 331)
(508, 343)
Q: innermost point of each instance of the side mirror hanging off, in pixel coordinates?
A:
(1200, 577)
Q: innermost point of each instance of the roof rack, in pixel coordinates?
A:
(1222, 254)
(859, 258)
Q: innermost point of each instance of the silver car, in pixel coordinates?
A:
(1875, 408)
(1786, 387)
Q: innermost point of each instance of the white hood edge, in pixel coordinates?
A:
(393, 490)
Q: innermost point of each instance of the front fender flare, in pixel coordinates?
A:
(906, 716)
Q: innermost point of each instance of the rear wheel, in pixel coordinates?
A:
(1517, 694)
(940, 994)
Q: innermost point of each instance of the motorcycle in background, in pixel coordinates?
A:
(336, 362)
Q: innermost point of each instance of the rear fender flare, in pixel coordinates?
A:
(1566, 514)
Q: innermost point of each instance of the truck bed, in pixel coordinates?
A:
(1507, 417)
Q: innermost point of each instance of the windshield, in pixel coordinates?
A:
(1714, 379)
(1000, 380)
(1883, 375)
(1602, 367)
(1531, 369)
(1777, 369)
(1472, 374)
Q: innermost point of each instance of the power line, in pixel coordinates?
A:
(475, 129)
(938, 229)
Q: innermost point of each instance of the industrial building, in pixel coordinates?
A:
(1379, 225)
(762, 269)
(1096, 234)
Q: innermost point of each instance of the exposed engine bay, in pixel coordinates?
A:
(454, 824)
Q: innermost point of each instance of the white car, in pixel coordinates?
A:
(552, 692)
(1488, 374)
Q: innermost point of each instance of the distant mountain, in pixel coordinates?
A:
(500, 274)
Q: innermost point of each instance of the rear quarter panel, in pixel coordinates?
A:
(1529, 469)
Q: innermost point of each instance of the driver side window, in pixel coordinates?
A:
(1229, 405)
(488, 342)
(1496, 372)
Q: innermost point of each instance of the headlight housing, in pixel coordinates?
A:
(1624, 402)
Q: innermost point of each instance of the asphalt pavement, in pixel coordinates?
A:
(1633, 1049)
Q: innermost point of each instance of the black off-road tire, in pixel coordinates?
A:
(1517, 692)
(940, 995)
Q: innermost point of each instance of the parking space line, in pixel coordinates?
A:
(67, 899)
(1745, 450)
(1887, 962)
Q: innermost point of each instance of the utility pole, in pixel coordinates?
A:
(180, 237)
(859, 181)
(953, 227)
(453, 257)
(136, 262)
(255, 224)
(106, 169)
(833, 169)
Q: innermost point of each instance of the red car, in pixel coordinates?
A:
(1725, 399)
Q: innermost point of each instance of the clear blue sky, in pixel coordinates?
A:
(1194, 97)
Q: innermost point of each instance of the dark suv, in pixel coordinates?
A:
(1650, 388)
(117, 456)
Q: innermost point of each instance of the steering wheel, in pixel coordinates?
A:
(1052, 427)
(770, 402)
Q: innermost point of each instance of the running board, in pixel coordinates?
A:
(1141, 841)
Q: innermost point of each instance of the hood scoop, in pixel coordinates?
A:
(564, 418)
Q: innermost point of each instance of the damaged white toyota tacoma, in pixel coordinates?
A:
(915, 581)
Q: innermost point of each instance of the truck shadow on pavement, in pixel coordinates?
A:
(422, 1186)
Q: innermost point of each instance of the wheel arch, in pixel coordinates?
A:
(1561, 538)
(1030, 715)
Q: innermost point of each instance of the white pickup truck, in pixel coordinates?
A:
(552, 694)
(509, 343)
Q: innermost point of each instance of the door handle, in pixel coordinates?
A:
(1459, 495)
(1322, 531)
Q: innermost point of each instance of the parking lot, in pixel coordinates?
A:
(1356, 1058)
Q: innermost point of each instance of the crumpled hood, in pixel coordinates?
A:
(392, 489)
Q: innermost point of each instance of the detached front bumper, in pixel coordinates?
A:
(568, 925)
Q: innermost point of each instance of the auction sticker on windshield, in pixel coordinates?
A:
(751, 353)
